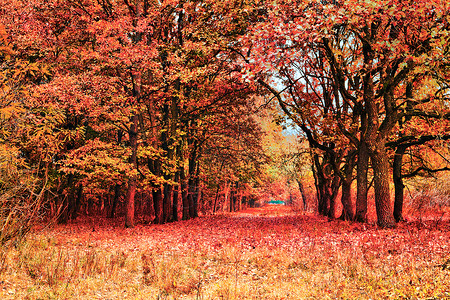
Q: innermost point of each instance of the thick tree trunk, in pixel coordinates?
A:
(129, 216)
(380, 164)
(333, 205)
(133, 140)
(334, 190)
(327, 186)
(362, 182)
(346, 198)
(323, 198)
(398, 183)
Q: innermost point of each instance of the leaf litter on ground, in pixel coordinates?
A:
(271, 252)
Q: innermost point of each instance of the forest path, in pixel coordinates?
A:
(269, 210)
(270, 252)
(272, 227)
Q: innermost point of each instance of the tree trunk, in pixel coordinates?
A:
(332, 208)
(167, 203)
(346, 197)
(398, 183)
(216, 197)
(191, 199)
(362, 182)
(131, 192)
(334, 190)
(303, 194)
(380, 165)
(232, 198)
(112, 211)
(192, 188)
(197, 196)
(398, 161)
(129, 216)
(321, 187)
(133, 138)
(175, 196)
(158, 205)
(184, 195)
(226, 196)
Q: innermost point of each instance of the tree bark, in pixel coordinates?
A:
(175, 196)
(192, 182)
(398, 183)
(167, 202)
(362, 182)
(158, 205)
(334, 189)
(346, 197)
(129, 216)
(398, 161)
(303, 194)
(184, 195)
(157, 195)
(131, 192)
(380, 165)
(321, 187)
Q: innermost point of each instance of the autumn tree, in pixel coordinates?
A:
(368, 53)
(25, 177)
(134, 88)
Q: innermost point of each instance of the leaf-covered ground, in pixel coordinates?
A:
(263, 253)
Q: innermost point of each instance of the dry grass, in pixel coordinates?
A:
(258, 254)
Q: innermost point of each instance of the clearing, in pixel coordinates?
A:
(262, 253)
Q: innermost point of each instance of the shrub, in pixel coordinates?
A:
(21, 197)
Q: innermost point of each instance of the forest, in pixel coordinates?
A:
(145, 115)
